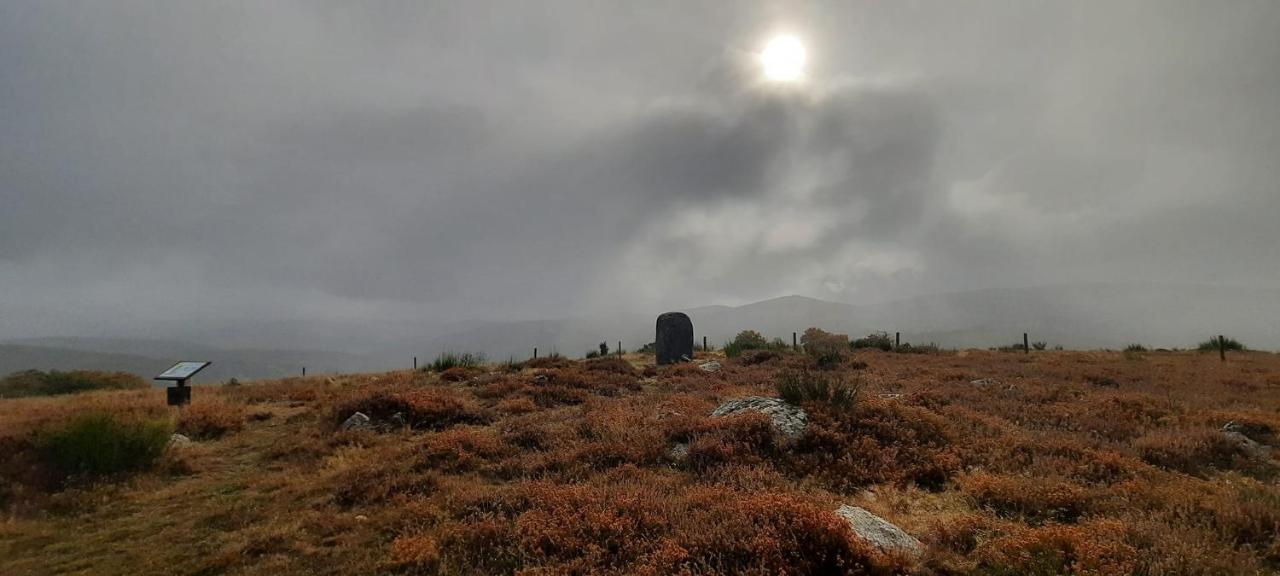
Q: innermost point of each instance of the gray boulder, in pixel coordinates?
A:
(789, 420)
(178, 440)
(711, 366)
(1235, 433)
(357, 421)
(879, 532)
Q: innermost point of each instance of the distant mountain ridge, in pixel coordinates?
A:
(1074, 316)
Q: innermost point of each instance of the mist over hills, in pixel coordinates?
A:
(1074, 316)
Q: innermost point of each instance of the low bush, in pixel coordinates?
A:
(879, 340)
(1194, 451)
(612, 365)
(98, 444)
(802, 386)
(54, 382)
(826, 349)
(1135, 347)
(753, 357)
(459, 373)
(1225, 342)
(907, 348)
(431, 409)
(208, 418)
(751, 340)
(447, 360)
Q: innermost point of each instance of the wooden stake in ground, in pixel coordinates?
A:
(1026, 346)
(1222, 348)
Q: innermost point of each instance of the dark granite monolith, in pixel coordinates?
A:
(674, 342)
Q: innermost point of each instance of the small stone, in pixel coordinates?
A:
(361, 518)
(679, 452)
(711, 366)
(357, 421)
(985, 382)
(790, 420)
(397, 420)
(879, 532)
(178, 440)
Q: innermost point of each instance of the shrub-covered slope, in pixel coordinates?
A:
(1000, 463)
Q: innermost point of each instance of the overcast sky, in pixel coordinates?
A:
(166, 160)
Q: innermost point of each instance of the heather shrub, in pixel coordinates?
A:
(55, 382)
(463, 449)
(546, 362)
(1216, 342)
(747, 438)
(1031, 499)
(802, 386)
(880, 340)
(612, 365)
(431, 409)
(459, 373)
(1195, 451)
(825, 348)
(447, 360)
(908, 348)
(101, 444)
(753, 357)
(1098, 548)
(208, 418)
(751, 340)
(876, 442)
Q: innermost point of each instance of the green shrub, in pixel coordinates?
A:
(879, 340)
(751, 340)
(447, 360)
(825, 348)
(797, 387)
(1135, 347)
(101, 443)
(53, 382)
(1213, 343)
(1039, 345)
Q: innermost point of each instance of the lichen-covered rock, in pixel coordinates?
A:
(789, 420)
(357, 421)
(879, 532)
(178, 440)
(711, 366)
(1235, 432)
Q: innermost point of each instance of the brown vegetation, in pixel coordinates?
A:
(1055, 463)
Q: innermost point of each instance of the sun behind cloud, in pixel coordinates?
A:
(783, 59)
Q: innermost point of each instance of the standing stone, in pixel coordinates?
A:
(675, 338)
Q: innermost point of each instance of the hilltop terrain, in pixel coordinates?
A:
(997, 462)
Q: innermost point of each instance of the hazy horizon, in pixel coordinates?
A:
(222, 166)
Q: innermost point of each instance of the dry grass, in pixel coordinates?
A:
(1070, 463)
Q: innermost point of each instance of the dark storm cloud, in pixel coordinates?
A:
(163, 160)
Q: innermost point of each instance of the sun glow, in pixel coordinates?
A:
(783, 59)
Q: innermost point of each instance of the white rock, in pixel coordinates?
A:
(879, 532)
(790, 420)
(711, 366)
(178, 440)
(357, 421)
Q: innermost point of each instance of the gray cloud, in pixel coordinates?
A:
(439, 163)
